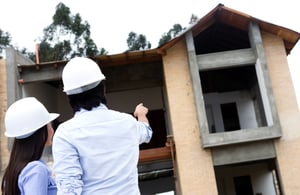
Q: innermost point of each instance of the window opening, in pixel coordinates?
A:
(255, 177)
(232, 99)
(221, 37)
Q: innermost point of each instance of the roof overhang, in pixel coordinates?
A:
(237, 20)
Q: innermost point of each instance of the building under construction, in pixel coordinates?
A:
(221, 104)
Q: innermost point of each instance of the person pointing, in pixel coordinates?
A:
(97, 150)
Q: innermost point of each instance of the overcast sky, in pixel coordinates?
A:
(112, 20)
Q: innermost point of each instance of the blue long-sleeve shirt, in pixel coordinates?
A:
(36, 179)
(96, 152)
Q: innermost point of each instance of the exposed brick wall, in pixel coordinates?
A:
(3, 105)
(194, 164)
(288, 146)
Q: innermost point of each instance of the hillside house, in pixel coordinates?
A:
(221, 101)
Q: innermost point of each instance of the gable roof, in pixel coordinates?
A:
(220, 13)
(237, 20)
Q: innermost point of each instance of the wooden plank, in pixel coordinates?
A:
(155, 154)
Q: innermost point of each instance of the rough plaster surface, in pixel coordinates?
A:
(195, 166)
(288, 146)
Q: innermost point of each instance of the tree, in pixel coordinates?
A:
(173, 32)
(137, 42)
(28, 54)
(68, 36)
(5, 40)
(193, 19)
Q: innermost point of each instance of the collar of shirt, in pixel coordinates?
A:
(100, 107)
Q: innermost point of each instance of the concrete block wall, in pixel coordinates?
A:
(194, 164)
(288, 146)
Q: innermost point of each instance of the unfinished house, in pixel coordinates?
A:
(221, 100)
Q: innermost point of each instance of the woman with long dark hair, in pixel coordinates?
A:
(28, 121)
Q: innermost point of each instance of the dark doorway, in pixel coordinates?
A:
(230, 116)
(243, 185)
(157, 122)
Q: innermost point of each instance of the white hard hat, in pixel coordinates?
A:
(81, 74)
(26, 116)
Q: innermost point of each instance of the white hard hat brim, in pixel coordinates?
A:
(79, 74)
(52, 116)
(82, 89)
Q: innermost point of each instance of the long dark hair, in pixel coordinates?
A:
(23, 151)
(88, 99)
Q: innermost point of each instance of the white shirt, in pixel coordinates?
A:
(96, 152)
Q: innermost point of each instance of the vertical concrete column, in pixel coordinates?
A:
(263, 75)
(14, 91)
(288, 146)
(194, 164)
(10, 92)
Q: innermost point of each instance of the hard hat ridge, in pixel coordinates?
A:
(81, 74)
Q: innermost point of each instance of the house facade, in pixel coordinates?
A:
(221, 100)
